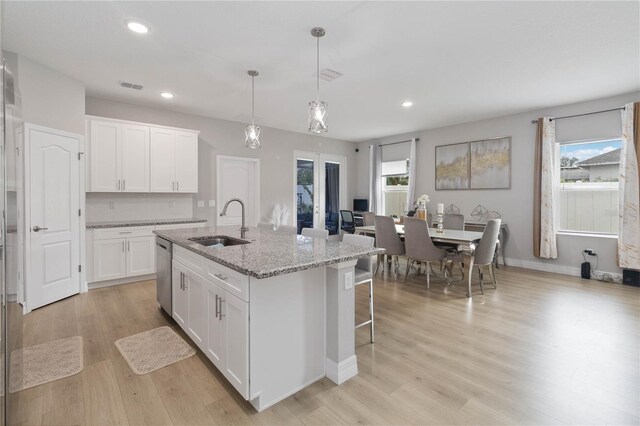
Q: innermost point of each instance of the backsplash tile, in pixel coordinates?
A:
(102, 207)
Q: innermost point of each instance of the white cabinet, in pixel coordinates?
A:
(119, 157)
(126, 156)
(216, 320)
(174, 161)
(141, 256)
(179, 294)
(109, 261)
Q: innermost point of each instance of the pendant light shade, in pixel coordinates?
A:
(317, 108)
(252, 132)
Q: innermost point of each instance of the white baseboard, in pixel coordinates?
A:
(129, 280)
(340, 373)
(552, 267)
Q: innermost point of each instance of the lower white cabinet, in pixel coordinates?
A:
(141, 256)
(216, 320)
(109, 260)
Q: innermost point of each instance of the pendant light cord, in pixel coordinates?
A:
(317, 68)
(253, 100)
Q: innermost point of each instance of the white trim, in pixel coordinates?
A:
(256, 184)
(587, 234)
(117, 120)
(256, 399)
(573, 271)
(27, 207)
(339, 373)
(126, 280)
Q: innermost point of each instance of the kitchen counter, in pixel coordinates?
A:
(146, 222)
(269, 253)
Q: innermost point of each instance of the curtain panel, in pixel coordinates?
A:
(629, 183)
(411, 192)
(375, 180)
(544, 191)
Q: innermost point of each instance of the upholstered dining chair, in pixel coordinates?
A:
(363, 273)
(486, 250)
(420, 248)
(368, 218)
(267, 226)
(453, 221)
(287, 229)
(388, 239)
(315, 233)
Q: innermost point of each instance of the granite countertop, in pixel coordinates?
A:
(269, 253)
(145, 222)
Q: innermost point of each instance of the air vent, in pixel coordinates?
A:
(329, 75)
(130, 85)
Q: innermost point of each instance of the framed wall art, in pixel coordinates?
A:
(452, 166)
(490, 164)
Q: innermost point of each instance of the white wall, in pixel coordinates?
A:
(50, 98)
(221, 137)
(515, 204)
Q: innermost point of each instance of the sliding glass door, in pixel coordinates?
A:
(319, 190)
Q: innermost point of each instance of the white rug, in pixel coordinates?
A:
(150, 350)
(39, 364)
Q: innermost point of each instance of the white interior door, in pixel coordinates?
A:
(320, 184)
(53, 186)
(238, 177)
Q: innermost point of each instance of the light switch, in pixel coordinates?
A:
(200, 203)
(348, 280)
(212, 203)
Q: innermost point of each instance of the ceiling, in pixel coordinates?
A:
(458, 61)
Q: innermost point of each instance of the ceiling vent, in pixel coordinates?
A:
(329, 75)
(130, 85)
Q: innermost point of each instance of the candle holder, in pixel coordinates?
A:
(440, 227)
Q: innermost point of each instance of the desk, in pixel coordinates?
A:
(463, 241)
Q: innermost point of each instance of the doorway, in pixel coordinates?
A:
(319, 190)
(238, 177)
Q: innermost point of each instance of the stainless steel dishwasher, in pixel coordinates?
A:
(164, 250)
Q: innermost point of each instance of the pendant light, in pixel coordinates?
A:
(252, 132)
(318, 108)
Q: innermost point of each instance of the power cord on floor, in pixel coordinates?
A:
(605, 276)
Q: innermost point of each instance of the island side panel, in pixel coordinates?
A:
(287, 322)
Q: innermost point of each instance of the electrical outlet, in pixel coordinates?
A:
(112, 205)
(348, 280)
(212, 203)
(200, 203)
(172, 204)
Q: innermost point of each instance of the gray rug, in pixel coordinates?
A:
(150, 350)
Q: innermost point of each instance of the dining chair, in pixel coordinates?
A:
(363, 273)
(287, 229)
(368, 218)
(420, 248)
(348, 222)
(486, 250)
(388, 239)
(267, 226)
(453, 221)
(315, 233)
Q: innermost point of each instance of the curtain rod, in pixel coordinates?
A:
(580, 115)
(395, 143)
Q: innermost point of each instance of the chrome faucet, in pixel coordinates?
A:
(243, 229)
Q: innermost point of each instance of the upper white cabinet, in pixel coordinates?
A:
(174, 161)
(137, 157)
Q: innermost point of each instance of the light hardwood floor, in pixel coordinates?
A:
(541, 349)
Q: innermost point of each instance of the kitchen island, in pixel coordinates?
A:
(273, 312)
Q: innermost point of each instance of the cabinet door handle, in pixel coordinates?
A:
(221, 314)
(118, 185)
(217, 312)
(123, 246)
(124, 184)
(221, 277)
(128, 245)
(181, 281)
(177, 185)
(173, 185)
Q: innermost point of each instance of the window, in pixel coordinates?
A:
(588, 186)
(396, 185)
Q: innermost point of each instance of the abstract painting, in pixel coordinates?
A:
(491, 164)
(452, 166)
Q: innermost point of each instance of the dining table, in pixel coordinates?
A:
(462, 242)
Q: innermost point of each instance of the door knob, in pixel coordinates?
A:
(38, 229)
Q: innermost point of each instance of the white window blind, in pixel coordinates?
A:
(394, 168)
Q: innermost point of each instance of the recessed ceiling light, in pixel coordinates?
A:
(166, 95)
(137, 27)
(407, 104)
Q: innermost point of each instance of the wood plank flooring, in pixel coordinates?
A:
(541, 349)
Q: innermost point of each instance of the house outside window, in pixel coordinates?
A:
(588, 186)
(395, 180)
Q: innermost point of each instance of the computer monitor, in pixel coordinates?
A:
(360, 205)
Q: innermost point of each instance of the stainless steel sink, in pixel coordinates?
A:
(216, 240)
